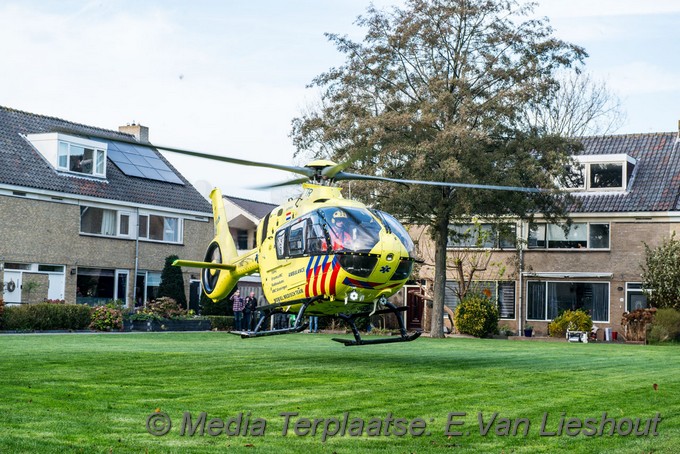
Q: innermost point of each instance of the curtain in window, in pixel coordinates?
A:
(170, 229)
(536, 301)
(108, 222)
(506, 299)
(600, 310)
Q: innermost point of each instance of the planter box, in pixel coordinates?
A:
(166, 325)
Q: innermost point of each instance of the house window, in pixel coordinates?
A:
(146, 287)
(159, 228)
(94, 286)
(599, 172)
(242, 239)
(501, 292)
(97, 221)
(636, 298)
(577, 236)
(488, 236)
(124, 224)
(547, 300)
(81, 159)
(606, 176)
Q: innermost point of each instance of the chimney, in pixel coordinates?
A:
(140, 132)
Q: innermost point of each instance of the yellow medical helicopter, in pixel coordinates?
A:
(318, 254)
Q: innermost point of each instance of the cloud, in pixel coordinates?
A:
(640, 77)
(590, 8)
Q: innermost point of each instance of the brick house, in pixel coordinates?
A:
(89, 215)
(629, 192)
(243, 216)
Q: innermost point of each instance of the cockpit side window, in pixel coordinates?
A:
(281, 243)
(296, 239)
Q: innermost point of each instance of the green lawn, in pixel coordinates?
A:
(93, 393)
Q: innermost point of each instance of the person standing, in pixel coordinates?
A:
(313, 324)
(238, 306)
(249, 311)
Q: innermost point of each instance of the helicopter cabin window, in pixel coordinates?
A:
(281, 243)
(296, 239)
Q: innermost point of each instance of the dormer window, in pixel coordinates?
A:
(600, 173)
(77, 158)
(72, 154)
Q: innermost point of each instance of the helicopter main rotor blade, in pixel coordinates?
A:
(283, 183)
(354, 176)
(300, 170)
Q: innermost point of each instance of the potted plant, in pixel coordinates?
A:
(528, 330)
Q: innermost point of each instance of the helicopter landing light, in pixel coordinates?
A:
(389, 257)
(353, 295)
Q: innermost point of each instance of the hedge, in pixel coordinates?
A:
(46, 316)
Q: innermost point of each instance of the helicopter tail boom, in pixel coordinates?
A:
(222, 267)
(208, 265)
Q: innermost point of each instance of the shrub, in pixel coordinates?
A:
(635, 323)
(164, 307)
(476, 315)
(172, 282)
(221, 322)
(665, 327)
(505, 330)
(2, 313)
(106, 319)
(577, 320)
(47, 316)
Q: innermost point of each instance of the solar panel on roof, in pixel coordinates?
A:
(140, 161)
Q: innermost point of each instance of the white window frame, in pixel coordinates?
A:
(585, 162)
(547, 296)
(145, 235)
(588, 246)
(494, 242)
(98, 156)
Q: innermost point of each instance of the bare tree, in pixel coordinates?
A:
(577, 106)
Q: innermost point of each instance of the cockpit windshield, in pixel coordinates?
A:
(395, 227)
(351, 229)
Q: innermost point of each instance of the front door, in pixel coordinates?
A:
(12, 287)
(415, 303)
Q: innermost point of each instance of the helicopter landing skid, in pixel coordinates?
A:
(391, 309)
(299, 326)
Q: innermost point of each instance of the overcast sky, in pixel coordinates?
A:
(227, 77)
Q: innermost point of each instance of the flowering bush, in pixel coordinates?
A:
(106, 319)
(164, 307)
(476, 315)
(49, 301)
(577, 320)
